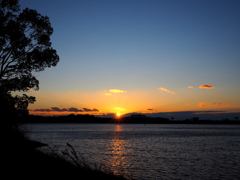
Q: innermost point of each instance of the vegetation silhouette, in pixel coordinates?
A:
(25, 48)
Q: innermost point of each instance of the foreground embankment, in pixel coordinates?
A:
(23, 160)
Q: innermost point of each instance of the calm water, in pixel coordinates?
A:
(153, 151)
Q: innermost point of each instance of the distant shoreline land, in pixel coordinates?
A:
(130, 119)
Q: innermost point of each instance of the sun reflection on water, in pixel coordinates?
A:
(118, 151)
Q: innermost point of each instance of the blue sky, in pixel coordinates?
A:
(143, 45)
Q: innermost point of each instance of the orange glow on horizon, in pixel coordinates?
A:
(120, 102)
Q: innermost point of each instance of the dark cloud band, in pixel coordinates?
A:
(71, 109)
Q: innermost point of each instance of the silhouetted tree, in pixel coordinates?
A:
(25, 48)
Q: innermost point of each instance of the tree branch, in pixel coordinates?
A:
(4, 48)
(5, 64)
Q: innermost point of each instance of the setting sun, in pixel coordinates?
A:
(118, 115)
(119, 112)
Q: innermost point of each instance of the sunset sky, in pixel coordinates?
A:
(144, 56)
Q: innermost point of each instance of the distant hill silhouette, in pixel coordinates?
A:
(135, 118)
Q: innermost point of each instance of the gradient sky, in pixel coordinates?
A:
(122, 56)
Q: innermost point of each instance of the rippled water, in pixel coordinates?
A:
(156, 151)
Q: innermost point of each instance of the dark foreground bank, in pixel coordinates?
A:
(22, 159)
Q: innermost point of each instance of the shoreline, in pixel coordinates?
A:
(123, 120)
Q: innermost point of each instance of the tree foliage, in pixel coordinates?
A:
(25, 48)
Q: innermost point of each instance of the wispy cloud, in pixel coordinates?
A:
(108, 94)
(121, 109)
(115, 91)
(206, 86)
(203, 104)
(190, 87)
(223, 105)
(166, 90)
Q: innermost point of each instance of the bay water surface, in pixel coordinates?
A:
(151, 151)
